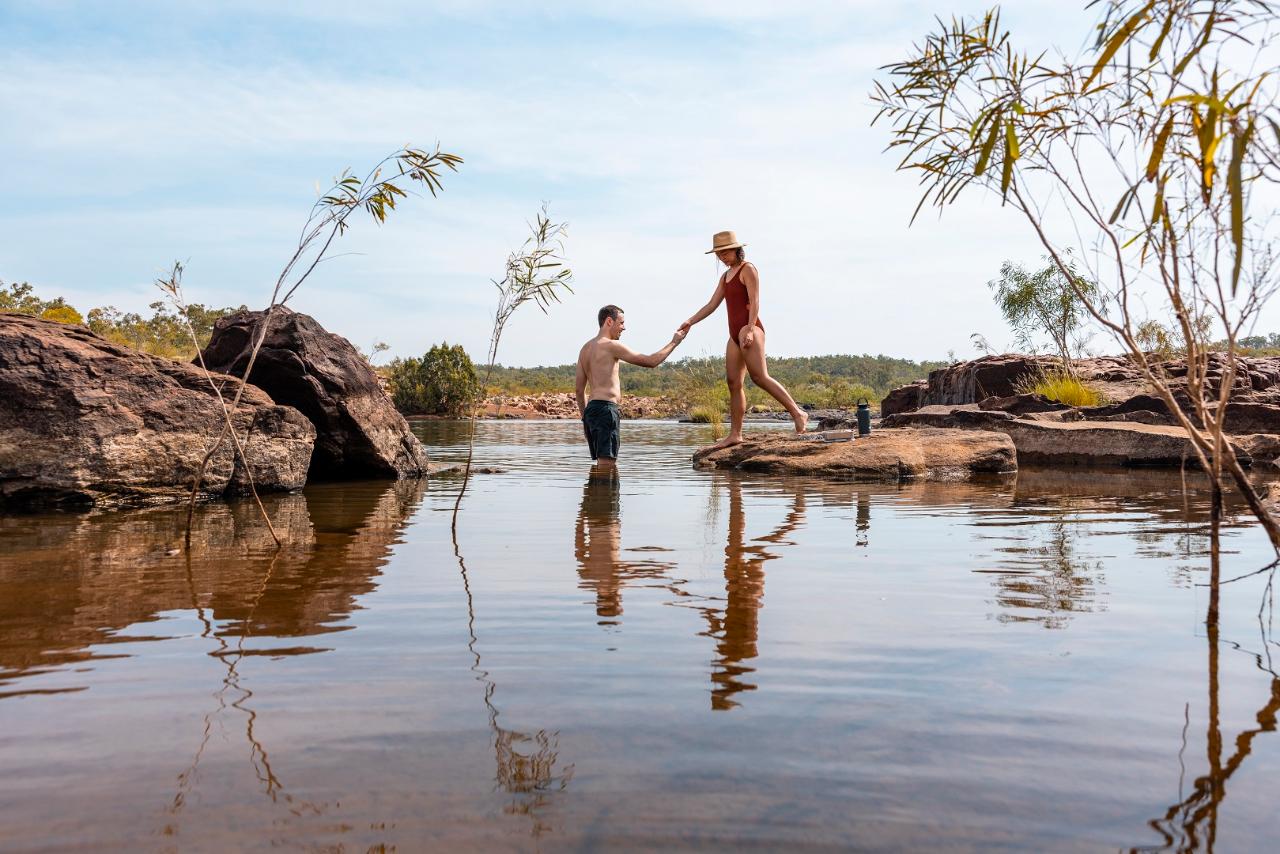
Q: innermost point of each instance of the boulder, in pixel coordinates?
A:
(907, 398)
(885, 455)
(359, 433)
(84, 421)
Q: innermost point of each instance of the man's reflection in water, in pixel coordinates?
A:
(737, 628)
(597, 545)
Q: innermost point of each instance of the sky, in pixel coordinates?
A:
(134, 134)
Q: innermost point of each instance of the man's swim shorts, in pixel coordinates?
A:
(601, 421)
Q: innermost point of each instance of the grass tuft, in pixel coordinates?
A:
(1063, 387)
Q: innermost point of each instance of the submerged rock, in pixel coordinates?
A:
(885, 455)
(359, 433)
(84, 421)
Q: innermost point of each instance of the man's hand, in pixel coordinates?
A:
(680, 334)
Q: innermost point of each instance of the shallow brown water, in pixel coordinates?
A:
(668, 659)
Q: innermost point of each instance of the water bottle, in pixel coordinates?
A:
(864, 417)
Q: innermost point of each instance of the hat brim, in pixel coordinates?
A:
(722, 248)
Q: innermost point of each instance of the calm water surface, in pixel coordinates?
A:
(667, 659)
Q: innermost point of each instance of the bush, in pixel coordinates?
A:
(1062, 387)
(442, 382)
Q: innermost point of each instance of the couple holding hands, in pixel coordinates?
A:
(739, 289)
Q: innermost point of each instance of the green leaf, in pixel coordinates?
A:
(1117, 40)
(1011, 141)
(985, 155)
(1235, 185)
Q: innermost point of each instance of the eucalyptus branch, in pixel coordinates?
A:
(376, 194)
(535, 273)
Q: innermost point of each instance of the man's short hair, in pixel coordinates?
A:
(608, 311)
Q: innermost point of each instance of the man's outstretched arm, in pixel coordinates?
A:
(650, 360)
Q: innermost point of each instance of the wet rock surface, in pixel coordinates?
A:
(885, 455)
(87, 422)
(359, 433)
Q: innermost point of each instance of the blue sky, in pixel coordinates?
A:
(140, 133)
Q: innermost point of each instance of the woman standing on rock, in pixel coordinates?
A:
(739, 289)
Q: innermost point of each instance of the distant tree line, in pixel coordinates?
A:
(163, 333)
(820, 380)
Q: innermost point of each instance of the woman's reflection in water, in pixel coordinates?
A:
(597, 546)
(736, 628)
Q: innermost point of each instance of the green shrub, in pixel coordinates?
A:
(442, 382)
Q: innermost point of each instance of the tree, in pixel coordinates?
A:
(1044, 302)
(1141, 158)
(442, 382)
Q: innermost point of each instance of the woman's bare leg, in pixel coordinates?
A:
(735, 374)
(754, 358)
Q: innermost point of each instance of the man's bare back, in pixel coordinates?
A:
(598, 368)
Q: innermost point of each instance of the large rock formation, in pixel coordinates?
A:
(885, 455)
(1255, 406)
(359, 433)
(84, 421)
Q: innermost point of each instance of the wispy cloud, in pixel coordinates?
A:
(643, 136)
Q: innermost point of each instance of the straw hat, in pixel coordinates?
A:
(724, 240)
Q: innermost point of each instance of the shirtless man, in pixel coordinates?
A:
(598, 367)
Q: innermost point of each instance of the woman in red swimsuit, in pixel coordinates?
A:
(739, 289)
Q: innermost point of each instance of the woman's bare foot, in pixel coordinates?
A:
(801, 418)
(727, 441)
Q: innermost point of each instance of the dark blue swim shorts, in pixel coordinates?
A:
(601, 421)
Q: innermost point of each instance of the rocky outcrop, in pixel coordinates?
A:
(885, 455)
(1088, 443)
(359, 433)
(84, 421)
(1255, 406)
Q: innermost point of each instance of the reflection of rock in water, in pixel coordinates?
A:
(73, 581)
(736, 627)
(597, 546)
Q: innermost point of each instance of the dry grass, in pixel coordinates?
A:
(1063, 387)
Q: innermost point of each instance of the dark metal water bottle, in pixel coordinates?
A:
(864, 417)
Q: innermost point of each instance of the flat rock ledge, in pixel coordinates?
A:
(926, 454)
(1072, 443)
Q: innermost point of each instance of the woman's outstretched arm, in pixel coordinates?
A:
(712, 305)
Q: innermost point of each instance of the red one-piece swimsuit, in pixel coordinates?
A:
(738, 304)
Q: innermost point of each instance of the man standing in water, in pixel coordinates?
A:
(598, 367)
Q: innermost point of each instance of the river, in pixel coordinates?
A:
(662, 659)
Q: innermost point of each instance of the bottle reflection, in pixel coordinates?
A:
(736, 628)
(597, 546)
